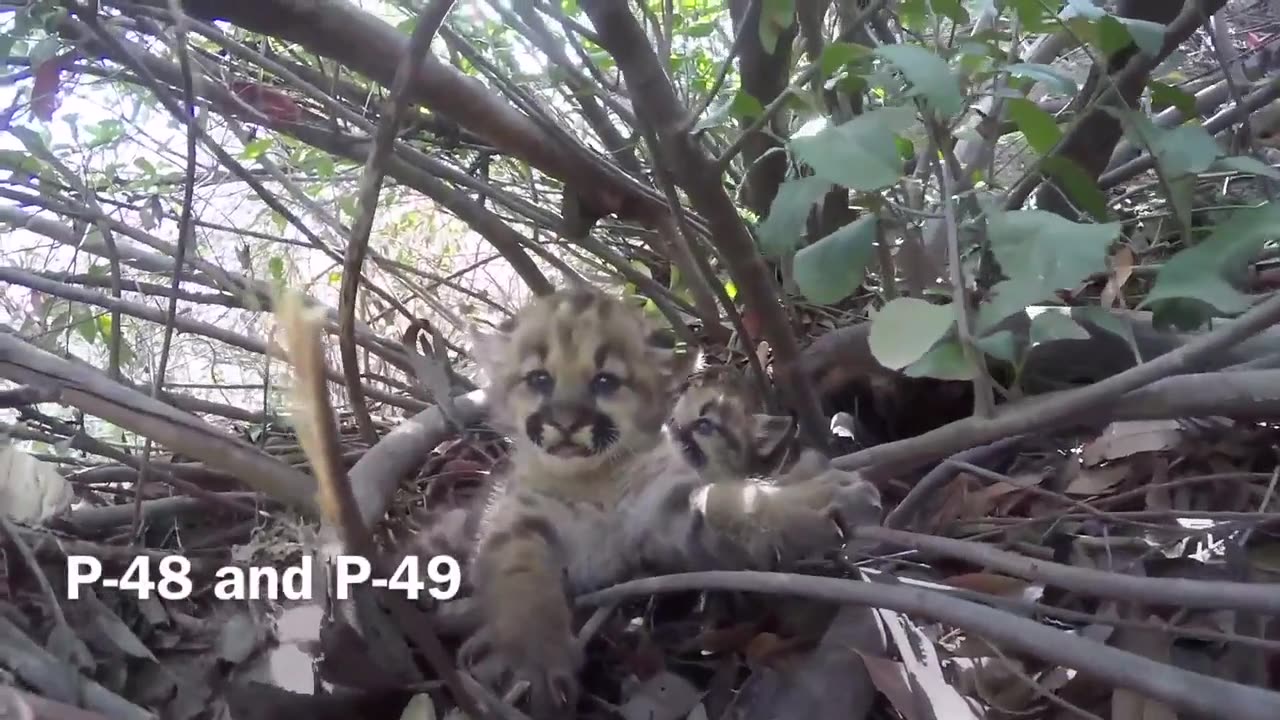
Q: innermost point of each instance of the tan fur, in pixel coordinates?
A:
(561, 524)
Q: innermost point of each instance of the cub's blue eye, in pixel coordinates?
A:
(540, 381)
(605, 383)
(703, 426)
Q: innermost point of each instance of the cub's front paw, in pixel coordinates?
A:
(547, 662)
(852, 501)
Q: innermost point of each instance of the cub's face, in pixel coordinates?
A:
(578, 377)
(715, 430)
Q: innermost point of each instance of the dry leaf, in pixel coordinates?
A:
(990, 583)
(1095, 481)
(665, 696)
(419, 707)
(31, 490)
(921, 663)
(1121, 269)
(1130, 437)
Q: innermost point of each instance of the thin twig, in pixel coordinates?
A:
(406, 77)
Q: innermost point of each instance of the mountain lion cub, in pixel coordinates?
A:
(596, 492)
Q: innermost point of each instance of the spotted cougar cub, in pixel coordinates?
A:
(596, 492)
(722, 434)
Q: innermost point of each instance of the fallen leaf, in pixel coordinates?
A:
(1121, 269)
(1095, 481)
(31, 490)
(665, 696)
(1130, 437)
(920, 661)
(419, 707)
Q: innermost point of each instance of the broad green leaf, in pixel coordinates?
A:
(1147, 35)
(1181, 315)
(44, 50)
(1046, 74)
(775, 17)
(1165, 96)
(256, 148)
(1210, 271)
(1246, 164)
(1081, 189)
(838, 54)
(929, 75)
(780, 233)
(860, 154)
(741, 105)
(1049, 325)
(947, 361)
(1040, 253)
(745, 106)
(830, 270)
(951, 10)
(1038, 126)
(276, 266)
(1185, 149)
(1105, 320)
(1035, 16)
(906, 328)
(1001, 345)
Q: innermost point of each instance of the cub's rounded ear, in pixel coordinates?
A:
(772, 432)
(490, 345)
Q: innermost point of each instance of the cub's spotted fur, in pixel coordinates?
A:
(596, 492)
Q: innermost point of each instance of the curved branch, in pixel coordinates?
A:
(91, 391)
(1185, 690)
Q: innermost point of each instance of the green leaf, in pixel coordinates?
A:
(780, 232)
(276, 266)
(1147, 35)
(1035, 16)
(1050, 325)
(1039, 127)
(1081, 189)
(838, 54)
(1211, 270)
(906, 328)
(1165, 96)
(775, 17)
(947, 361)
(860, 154)
(1040, 253)
(1046, 74)
(1001, 345)
(256, 148)
(951, 10)
(1105, 320)
(830, 269)
(44, 50)
(1246, 164)
(929, 75)
(1185, 149)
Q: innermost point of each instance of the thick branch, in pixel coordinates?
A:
(90, 391)
(655, 100)
(1185, 690)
